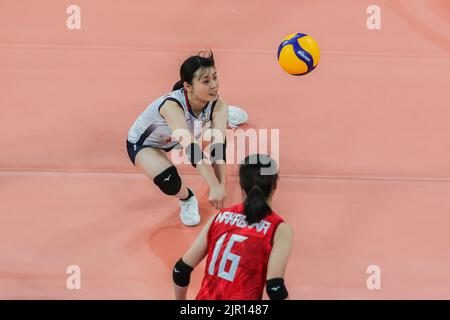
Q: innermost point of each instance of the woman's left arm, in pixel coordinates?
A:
(219, 123)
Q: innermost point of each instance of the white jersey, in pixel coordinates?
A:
(151, 129)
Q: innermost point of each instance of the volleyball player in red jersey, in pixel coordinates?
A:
(247, 245)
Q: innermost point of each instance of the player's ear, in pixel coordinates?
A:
(187, 87)
(275, 185)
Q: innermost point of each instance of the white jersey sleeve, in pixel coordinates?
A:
(150, 128)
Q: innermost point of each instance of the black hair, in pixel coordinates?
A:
(191, 65)
(257, 185)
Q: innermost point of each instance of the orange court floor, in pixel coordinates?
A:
(364, 143)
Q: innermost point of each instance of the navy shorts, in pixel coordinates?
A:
(133, 150)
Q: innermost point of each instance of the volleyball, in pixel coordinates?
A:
(298, 54)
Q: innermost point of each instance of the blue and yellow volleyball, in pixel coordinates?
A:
(298, 54)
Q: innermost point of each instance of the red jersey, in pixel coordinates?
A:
(238, 255)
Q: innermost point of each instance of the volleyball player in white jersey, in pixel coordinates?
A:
(194, 98)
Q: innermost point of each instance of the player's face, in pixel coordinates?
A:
(206, 84)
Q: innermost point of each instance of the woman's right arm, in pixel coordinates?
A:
(281, 249)
(176, 120)
(195, 254)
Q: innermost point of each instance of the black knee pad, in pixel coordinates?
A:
(169, 181)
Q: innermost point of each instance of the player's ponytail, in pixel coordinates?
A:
(191, 65)
(258, 178)
(255, 205)
(178, 85)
